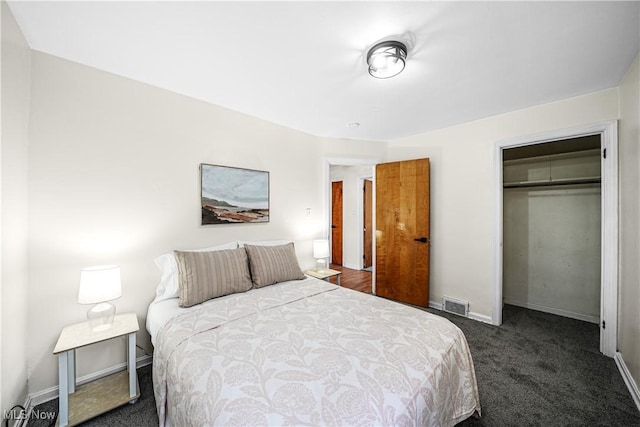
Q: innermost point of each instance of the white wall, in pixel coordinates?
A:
(352, 208)
(552, 250)
(629, 315)
(14, 155)
(463, 199)
(114, 179)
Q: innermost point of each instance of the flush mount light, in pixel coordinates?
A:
(386, 59)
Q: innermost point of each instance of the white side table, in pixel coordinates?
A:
(325, 274)
(81, 403)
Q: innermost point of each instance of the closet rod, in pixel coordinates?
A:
(552, 183)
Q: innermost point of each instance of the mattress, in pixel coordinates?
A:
(308, 352)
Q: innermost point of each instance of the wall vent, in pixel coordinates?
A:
(455, 306)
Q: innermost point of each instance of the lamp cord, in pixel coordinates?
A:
(144, 350)
(10, 412)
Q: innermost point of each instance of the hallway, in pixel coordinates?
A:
(358, 280)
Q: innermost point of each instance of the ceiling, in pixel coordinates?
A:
(302, 64)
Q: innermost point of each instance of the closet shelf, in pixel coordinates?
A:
(554, 182)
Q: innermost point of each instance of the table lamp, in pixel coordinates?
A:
(98, 285)
(321, 252)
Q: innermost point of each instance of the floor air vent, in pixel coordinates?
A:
(450, 305)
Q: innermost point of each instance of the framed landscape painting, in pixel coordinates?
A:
(233, 195)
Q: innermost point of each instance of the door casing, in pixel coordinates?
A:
(608, 132)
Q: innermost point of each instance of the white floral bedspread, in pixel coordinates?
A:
(310, 353)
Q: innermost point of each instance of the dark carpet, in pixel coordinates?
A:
(537, 369)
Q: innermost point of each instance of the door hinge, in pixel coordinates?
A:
(604, 153)
(604, 325)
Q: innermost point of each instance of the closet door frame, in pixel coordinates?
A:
(608, 132)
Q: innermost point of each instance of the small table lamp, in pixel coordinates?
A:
(97, 286)
(320, 252)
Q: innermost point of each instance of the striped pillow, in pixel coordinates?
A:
(211, 274)
(273, 264)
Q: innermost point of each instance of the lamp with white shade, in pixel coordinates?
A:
(99, 285)
(321, 253)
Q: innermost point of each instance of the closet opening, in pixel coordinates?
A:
(607, 132)
(552, 227)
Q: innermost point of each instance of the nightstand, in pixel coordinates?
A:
(325, 274)
(81, 403)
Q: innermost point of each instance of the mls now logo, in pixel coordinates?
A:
(21, 414)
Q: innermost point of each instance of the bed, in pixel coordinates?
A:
(307, 352)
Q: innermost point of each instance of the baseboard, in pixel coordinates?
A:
(474, 316)
(435, 305)
(481, 317)
(556, 311)
(35, 399)
(351, 266)
(628, 379)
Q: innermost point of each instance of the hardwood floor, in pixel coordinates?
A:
(358, 280)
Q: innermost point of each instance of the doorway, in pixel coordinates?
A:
(609, 222)
(551, 227)
(352, 179)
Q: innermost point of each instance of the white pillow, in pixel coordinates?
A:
(168, 286)
(241, 243)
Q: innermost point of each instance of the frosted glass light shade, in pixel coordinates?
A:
(387, 59)
(97, 286)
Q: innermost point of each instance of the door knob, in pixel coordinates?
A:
(421, 239)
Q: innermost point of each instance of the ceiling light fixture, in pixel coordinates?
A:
(386, 59)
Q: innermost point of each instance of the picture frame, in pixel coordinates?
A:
(232, 195)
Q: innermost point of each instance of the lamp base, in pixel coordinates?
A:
(100, 316)
(321, 265)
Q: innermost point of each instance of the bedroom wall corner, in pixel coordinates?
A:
(629, 283)
(463, 189)
(114, 178)
(15, 90)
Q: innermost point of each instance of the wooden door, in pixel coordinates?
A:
(402, 231)
(336, 222)
(367, 224)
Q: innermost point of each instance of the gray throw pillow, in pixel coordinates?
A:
(211, 274)
(273, 264)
